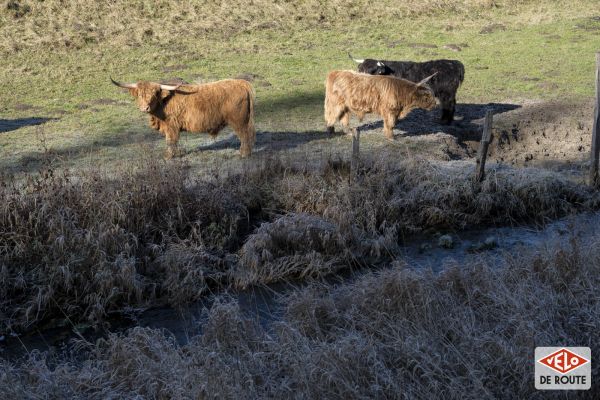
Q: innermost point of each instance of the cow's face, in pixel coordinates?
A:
(374, 67)
(424, 98)
(148, 95)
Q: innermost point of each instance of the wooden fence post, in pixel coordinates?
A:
(486, 137)
(594, 181)
(355, 160)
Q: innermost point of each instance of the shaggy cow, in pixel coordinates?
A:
(205, 107)
(392, 98)
(451, 74)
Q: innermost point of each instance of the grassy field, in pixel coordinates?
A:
(58, 68)
(93, 222)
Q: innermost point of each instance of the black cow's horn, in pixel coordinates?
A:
(124, 85)
(424, 81)
(355, 60)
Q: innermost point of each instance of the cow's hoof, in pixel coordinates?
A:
(172, 152)
(330, 130)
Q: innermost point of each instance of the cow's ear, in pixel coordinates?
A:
(133, 92)
(164, 93)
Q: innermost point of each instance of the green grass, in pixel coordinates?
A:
(545, 52)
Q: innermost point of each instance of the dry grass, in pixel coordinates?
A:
(467, 333)
(56, 24)
(293, 246)
(88, 243)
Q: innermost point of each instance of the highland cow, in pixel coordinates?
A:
(205, 107)
(451, 74)
(392, 98)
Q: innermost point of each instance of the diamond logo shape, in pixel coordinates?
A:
(563, 361)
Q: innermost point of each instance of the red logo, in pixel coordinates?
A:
(563, 361)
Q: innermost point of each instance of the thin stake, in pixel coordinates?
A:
(595, 156)
(486, 137)
(355, 160)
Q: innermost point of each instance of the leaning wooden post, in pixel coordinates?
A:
(355, 160)
(486, 137)
(595, 156)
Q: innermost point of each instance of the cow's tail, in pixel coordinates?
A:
(461, 73)
(251, 128)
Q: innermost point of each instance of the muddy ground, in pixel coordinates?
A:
(550, 134)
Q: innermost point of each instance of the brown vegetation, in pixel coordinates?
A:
(89, 243)
(53, 23)
(467, 333)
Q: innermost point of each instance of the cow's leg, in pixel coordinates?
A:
(345, 121)
(448, 104)
(451, 109)
(389, 121)
(333, 112)
(247, 135)
(172, 139)
(213, 133)
(247, 138)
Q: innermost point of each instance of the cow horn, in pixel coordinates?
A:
(380, 64)
(424, 81)
(124, 85)
(355, 60)
(169, 87)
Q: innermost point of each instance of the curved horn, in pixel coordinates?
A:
(380, 64)
(124, 85)
(170, 87)
(424, 81)
(355, 60)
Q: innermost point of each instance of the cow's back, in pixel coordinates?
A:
(368, 93)
(225, 93)
(450, 73)
(211, 106)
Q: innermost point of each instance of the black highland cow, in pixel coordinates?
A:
(450, 75)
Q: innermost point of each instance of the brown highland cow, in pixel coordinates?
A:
(451, 74)
(392, 98)
(205, 107)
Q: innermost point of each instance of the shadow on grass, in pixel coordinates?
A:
(268, 141)
(7, 125)
(466, 126)
(32, 160)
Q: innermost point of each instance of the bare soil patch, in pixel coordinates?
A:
(550, 134)
(492, 28)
